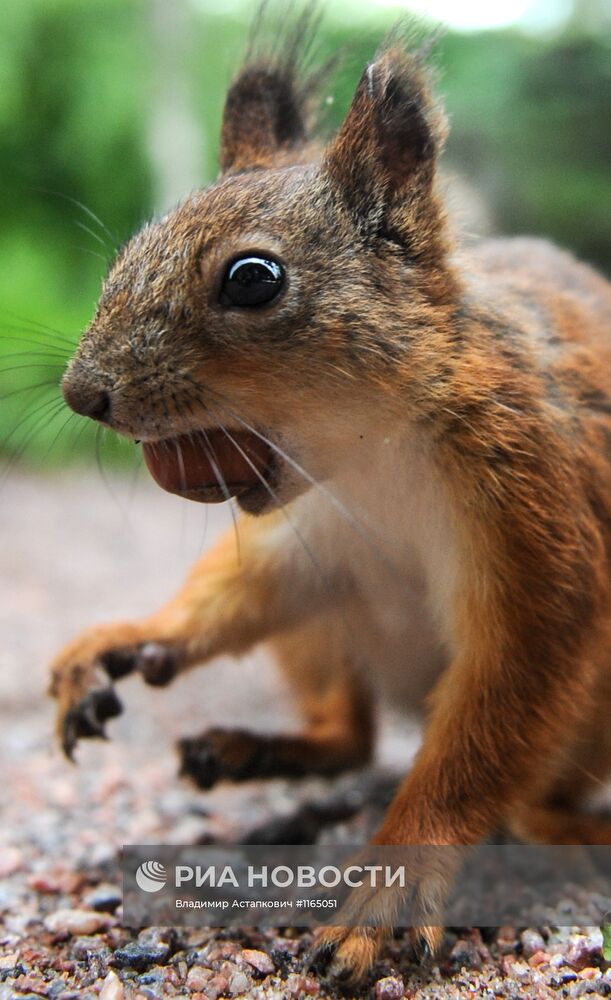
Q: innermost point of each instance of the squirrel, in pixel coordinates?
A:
(418, 434)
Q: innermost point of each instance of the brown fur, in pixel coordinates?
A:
(497, 359)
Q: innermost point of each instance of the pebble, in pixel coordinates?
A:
(112, 988)
(389, 988)
(465, 953)
(139, 956)
(77, 922)
(582, 950)
(217, 986)
(539, 958)
(532, 942)
(258, 960)
(239, 983)
(83, 947)
(198, 978)
(104, 897)
(589, 973)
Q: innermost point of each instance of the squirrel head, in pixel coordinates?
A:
(286, 302)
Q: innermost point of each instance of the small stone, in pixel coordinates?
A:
(518, 969)
(77, 922)
(217, 986)
(112, 988)
(465, 953)
(297, 985)
(84, 947)
(239, 983)
(539, 958)
(389, 988)
(589, 973)
(294, 984)
(532, 942)
(258, 960)
(104, 897)
(581, 950)
(198, 978)
(139, 956)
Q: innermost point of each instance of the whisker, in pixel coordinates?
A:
(88, 211)
(181, 464)
(281, 507)
(92, 253)
(87, 229)
(99, 432)
(71, 416)
(221, 480)
(34, 364)
(57, 334)
(34, 354)
(18, 452)
(362, 530)
(27, 415)
(30, 388)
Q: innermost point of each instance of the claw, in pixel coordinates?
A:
(319, 957)
(87, 718)
(421, 949)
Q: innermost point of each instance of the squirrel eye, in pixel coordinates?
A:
(251, 281)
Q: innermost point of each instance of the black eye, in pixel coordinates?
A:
(251, 281)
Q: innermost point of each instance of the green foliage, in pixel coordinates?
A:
(79, 79)
(606, 930)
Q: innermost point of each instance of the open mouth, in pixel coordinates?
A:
(211, 466)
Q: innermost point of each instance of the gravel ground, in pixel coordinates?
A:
(77, 550)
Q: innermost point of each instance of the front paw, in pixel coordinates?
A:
(346, 952)
(80, 676)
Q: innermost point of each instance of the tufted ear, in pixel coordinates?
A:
(268, 106)
(386, 150)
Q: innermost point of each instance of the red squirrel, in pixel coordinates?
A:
(419, 437)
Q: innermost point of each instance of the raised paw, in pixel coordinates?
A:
(224, 753)
(79, 677)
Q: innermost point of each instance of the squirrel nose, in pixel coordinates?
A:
(88, 401)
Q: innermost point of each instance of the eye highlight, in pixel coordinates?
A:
(251, 281)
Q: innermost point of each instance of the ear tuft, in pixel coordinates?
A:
(387, 148)
(268, 109)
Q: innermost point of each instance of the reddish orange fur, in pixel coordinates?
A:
(498, 358)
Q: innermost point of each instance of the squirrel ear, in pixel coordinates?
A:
(264, 115)
(268, 106)
(387, 147)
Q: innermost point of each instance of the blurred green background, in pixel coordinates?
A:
(110, 110)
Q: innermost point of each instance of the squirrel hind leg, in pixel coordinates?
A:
(336, 707)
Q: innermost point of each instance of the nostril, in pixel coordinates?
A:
(99, 406)
(94, 403)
